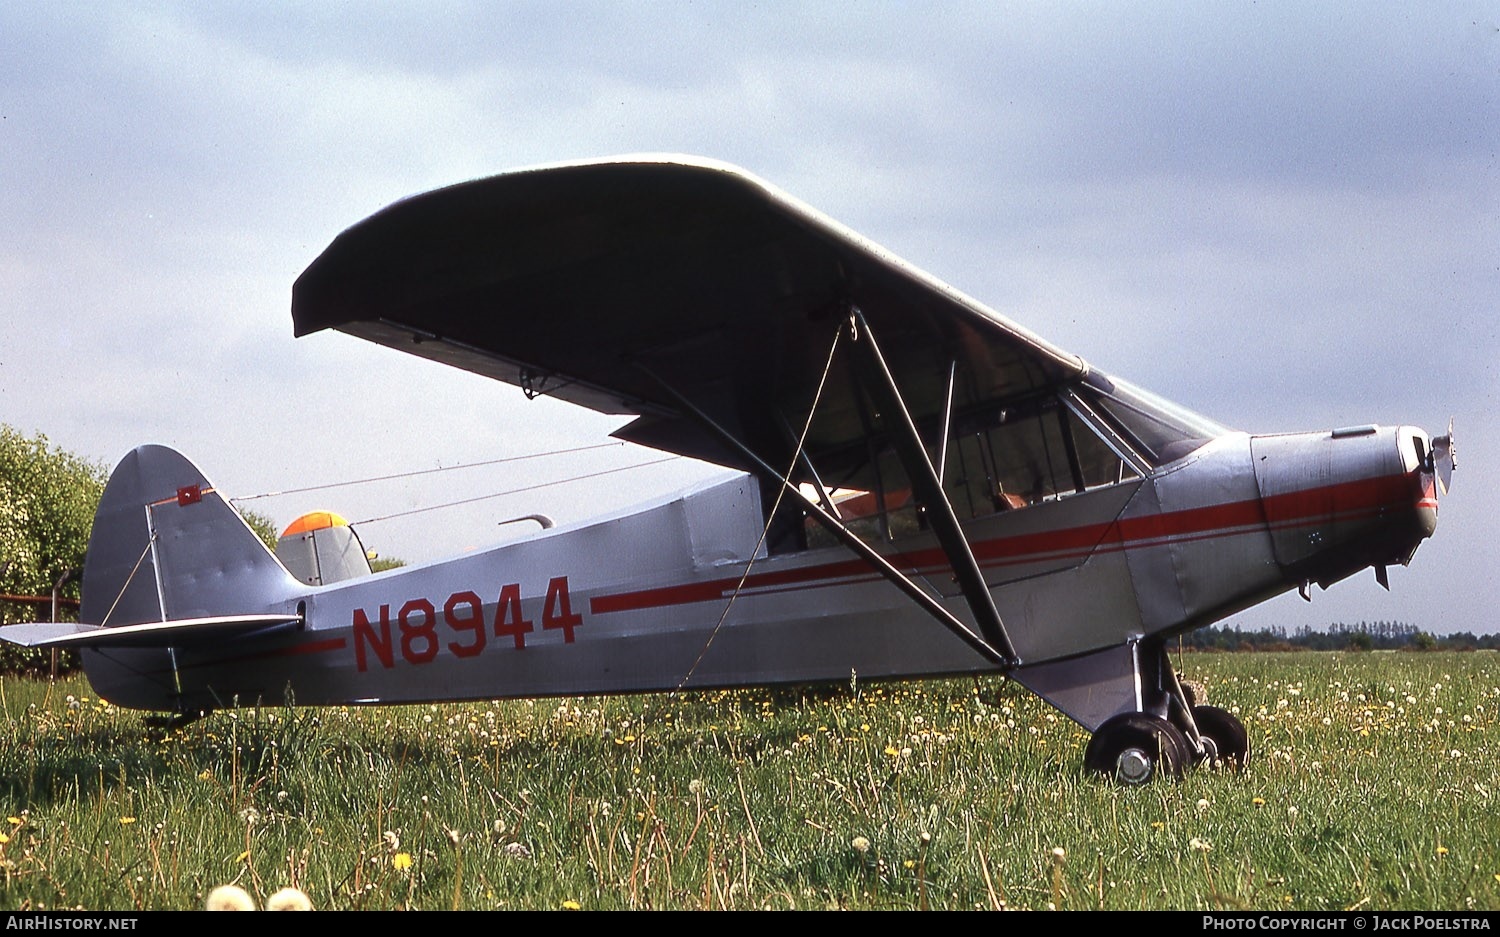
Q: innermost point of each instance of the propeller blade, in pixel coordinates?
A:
(1445, 458)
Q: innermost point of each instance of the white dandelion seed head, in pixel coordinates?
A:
(860, 845)
(289, 899)
(229, 898)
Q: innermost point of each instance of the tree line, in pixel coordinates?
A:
(1341, 636)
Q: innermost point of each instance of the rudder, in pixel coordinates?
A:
(166, 545)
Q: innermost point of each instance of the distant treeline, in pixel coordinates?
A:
(1364, 636)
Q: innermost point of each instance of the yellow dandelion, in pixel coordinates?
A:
(242, 857)
(1442, 850)
(892, 751)
(1259, 801)
(229, 898)
(909, 863)
(126, 821)
(205, 775)
(401, 861)
(14, 821)
(5, 839)
(571, 905)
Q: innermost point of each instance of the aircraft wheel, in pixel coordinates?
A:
(1136, 748)
(1224, 735)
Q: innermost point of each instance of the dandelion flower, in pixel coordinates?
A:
(401, 861)
(4, 839)
(571, 905)
(1442, 850)
(289, 899)
(229, 898)
(1259, 801)
(695, 786)
(860, 845)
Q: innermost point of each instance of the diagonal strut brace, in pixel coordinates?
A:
(924, 480)
(838, 529)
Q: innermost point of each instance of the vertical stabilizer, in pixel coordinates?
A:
(166, 545)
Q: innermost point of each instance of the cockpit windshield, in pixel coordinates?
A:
(1156, 429)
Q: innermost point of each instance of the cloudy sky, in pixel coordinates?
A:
(1283, 215)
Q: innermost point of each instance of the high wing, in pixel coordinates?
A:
(630, 286)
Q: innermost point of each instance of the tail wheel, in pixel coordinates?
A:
(1224, 735)
(1136, 748)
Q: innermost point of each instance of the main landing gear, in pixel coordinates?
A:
(1175, 734)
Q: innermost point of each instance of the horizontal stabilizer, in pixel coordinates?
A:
(183, 632)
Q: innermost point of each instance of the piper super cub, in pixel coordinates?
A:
(924, 487)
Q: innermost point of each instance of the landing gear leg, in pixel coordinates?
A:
(1168, 731)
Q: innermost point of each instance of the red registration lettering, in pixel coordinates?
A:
(418, 626)
(463, 613)
(379, 642)
(558, 612)
(471, 621)
(508, 618)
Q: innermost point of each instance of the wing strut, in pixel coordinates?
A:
(881, 565)
(925, 483)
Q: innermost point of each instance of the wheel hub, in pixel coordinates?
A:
(1134, 766)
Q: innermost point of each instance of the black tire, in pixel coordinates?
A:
(1227, 733)
(1137, 748)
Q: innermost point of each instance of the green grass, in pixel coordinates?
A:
(1374, 785)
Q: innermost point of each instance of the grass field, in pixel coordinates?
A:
(1373, 785)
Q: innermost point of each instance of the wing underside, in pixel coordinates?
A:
(625, 286)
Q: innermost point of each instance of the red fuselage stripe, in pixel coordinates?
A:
(1347, 501)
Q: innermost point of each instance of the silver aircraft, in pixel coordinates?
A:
(924, 488)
